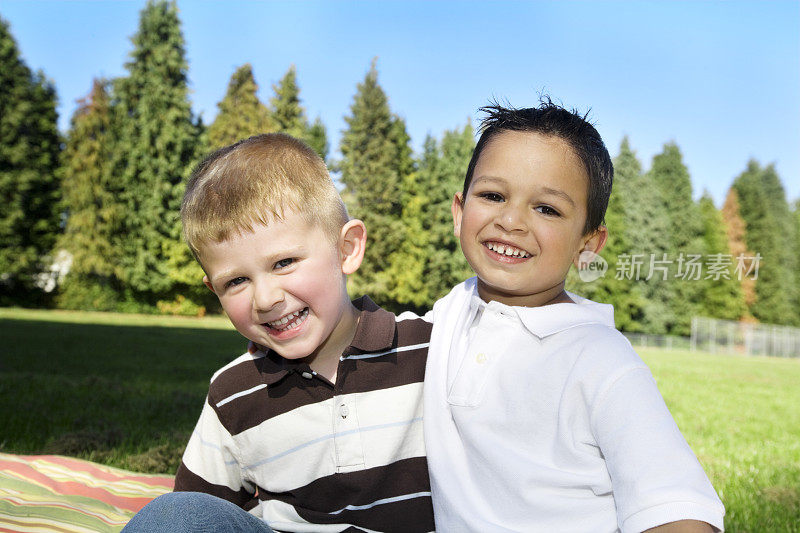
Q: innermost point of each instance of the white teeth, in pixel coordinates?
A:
(293, 319)
(509, 251)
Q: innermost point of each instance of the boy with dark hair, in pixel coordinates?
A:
(539, 416)
(319, 424)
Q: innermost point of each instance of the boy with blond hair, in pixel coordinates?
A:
(318, 427)
(539, 416)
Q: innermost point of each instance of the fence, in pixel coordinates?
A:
(726, 336)
(668, 342)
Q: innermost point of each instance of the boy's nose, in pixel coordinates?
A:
(510, 218)
(267, 295)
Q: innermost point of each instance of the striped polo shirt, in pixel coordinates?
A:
(312, 455)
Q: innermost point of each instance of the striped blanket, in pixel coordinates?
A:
(52, 493)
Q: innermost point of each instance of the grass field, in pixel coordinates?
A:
(126, 390)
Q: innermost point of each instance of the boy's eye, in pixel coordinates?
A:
(491, 196)
(235, 281)
(547, 210)
(283, 263)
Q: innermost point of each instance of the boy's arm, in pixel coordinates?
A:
(210, 464)
(683, 526)
(656, 478)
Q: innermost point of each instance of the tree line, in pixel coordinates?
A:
(90, 219)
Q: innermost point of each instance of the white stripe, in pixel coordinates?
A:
(297, 447)
(240, 394)
(208, 453)
(393, 350)
(333, 436)
(383, 501)
(247, 356)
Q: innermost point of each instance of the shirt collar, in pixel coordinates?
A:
(549, 319)
(374, 332)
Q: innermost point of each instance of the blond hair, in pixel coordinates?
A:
(255, 181)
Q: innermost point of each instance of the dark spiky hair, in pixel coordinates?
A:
(570, 126)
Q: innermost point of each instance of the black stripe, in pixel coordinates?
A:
(188, 481)
(316, 501)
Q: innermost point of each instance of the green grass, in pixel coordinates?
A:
(741, 415)
(126, 390)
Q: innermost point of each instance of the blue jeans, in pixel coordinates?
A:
(185, 512)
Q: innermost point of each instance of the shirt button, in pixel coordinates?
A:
(344, 411)
(480, 358)
(307, 375)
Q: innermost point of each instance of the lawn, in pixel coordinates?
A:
(126, 390)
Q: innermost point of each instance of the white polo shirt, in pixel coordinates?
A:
(545, 419)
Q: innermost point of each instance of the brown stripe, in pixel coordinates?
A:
(332, 493)
(188, 481)
(355, 375)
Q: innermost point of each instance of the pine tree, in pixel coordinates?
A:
(375, 162)
(737, 244)
(155, 148)
(241, 114)
(683, 236)
(289, 115)
(92, 213)
(764, 209)
(29, 180)
(722, 295)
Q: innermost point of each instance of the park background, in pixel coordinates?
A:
(106, 107)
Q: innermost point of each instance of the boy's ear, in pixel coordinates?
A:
(352, 243)
(207, 283)
(593, 242)
(457, 209)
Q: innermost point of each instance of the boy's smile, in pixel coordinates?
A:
(283, 287)
(521, 224)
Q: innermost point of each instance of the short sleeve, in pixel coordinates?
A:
(655, 476)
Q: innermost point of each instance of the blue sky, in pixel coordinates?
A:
(721, 79)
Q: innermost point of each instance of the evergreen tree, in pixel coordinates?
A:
(735, 232)
(406, 274)
(446, 264)
(287, 112)
(683, 237)
(622, 291)
(241, 114)
(317, 138)
(92, 213)
(375, 164)
(289, 115)
(646, 233)
(722, 295)
(29, 181)
(155, 147)
(765, 211)
(429, 261)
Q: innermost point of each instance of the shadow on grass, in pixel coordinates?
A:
(122, 395)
